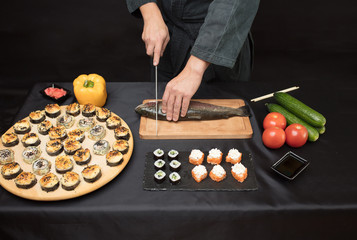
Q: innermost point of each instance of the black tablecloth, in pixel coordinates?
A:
(321, 202)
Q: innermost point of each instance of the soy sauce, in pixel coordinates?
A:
(290, 166)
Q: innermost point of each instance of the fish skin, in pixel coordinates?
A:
(196, 111)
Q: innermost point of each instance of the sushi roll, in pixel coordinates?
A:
(11, 170)
(58, 133)
(37, 116)
(88, 110)
(175, 178)
(21, 127)
(173, 155)
(97, 133)
(101, 147)
(196, 157)
(6, 156)
(160, 176)
(54, 147)
(86, 124)
(82, 156)
(114, 158)
(76, 134)
(175, 166)
(158, 154)
(44, 127)
(234, 156)
(9, 139)
(217, 173)
(121, 145)
(49, 182)
(63, 164)
(121, 133)
(41, 166)
(113, 122)
(31, 154)
(30, 139)
(159, 164)
(199, 173)
(239, 172)
(73, 109)
(70, 180)
(66, 121)
(71, 146)
(25, 180)
(214, 156)
(52, 110)
(91, 173)
(102, 114)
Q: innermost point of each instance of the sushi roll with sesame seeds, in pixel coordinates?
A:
(71, 146)
(37, 116)
(121, 145)
(21, 127)
(102, 114)
(25, 180)
(54, 147)
(31, 154)
(30, 139)
(82, 156)
(76, 134)
(70, 180)
(44, 127)
(114, 158)
(58, 133)
(91, 173)
(6, 156)
(9, 139)
(11, 170)
(113, 122)
(49, 182)
(88, 110)
(73, 109)
(121, 133)
(41, 166)
(63, 164)
(52, 110)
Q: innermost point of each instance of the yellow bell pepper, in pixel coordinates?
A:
(90, 89)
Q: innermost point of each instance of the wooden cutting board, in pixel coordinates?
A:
(232, 128)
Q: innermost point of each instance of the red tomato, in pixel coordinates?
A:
(274, 119)
(273, 137)
(296, 135)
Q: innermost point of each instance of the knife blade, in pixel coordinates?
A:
(156, 98)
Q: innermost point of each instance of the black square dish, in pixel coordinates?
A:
(290, 165)
(58, 100)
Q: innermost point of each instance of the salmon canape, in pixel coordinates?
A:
(217, 173)
(199, 173)
(214, 156)
(234, 156)
(239, 172)
(196, 157)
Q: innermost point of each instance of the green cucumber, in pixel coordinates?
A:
(300, 109)
(321, 130)
(291, 118)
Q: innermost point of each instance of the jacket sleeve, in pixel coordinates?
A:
(224, 31)
(133, 6)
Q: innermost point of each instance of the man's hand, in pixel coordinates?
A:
(155, 33)
(179, 90)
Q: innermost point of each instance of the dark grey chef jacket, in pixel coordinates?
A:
(217, 31)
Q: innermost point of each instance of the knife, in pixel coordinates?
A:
(156, 98)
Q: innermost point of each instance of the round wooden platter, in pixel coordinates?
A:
(36, 193)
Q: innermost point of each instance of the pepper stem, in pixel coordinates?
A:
(88, 84)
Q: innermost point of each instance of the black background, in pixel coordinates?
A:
(55, 41)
